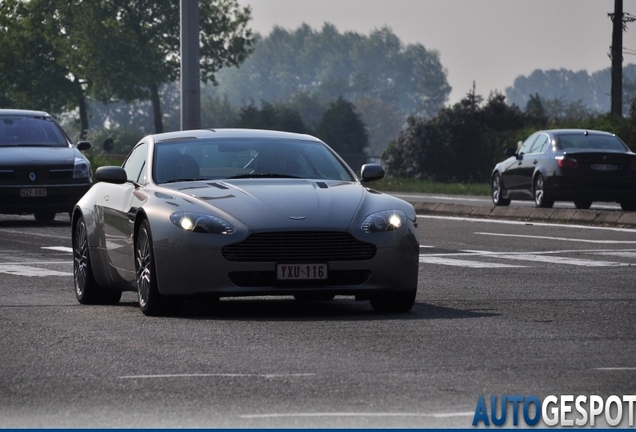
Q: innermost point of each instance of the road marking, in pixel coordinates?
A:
(551, 259)
(618, 254)
(59, 248)
(559, 238)
(221, 375)
(28, 234)
(23, 270)
(359, 414)
(508, 222)
(428, 259)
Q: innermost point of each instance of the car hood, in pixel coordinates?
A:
(274, 204)
(16, 156)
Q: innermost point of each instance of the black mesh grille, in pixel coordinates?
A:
(299, 247)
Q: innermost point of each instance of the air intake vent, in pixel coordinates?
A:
(299, 247)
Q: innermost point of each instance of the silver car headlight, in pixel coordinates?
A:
(201, 223)
(82, 169)
(388, 220)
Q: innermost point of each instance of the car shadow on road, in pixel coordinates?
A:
(289, 309)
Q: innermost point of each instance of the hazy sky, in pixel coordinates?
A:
(490, 42)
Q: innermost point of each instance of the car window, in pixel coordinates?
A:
(30, 131)
(540, 144)
(256, 157)
(581, 141)
(527, 144)
(135, 163)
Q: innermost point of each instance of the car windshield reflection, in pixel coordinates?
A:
(213, 159)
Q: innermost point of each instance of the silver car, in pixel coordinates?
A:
(226, 213)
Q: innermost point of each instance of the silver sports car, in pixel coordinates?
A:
(226, 213)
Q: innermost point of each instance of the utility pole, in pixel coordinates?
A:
(190, 77)
(616, 54)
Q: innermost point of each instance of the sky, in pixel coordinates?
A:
(489, 42)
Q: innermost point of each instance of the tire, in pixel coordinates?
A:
(583, 204)
(541, 197)
(629, 205)
(87, 291)
(44, 216)
(314, 296)
(394, 302)
(497, 192)
(151, 302)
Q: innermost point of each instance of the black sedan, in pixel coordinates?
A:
(41, 172)
(567, 165)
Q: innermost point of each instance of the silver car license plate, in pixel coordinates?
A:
(32, 192)
(301, 271)
(603, 167)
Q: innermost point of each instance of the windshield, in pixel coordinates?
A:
(201, 159)
(30, 131)
(590, 142)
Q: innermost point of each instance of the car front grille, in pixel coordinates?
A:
(36, 175)
(305, 246)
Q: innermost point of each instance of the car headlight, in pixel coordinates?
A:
(201, 223)
(384, 221)
(82, 169)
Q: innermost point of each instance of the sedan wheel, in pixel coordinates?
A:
(394, 302)
(628, 205)
(497, 191)
(583, 204)
(87, 290)
(541, 197)
(151, 302)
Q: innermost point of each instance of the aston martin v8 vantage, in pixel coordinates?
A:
(226, 213)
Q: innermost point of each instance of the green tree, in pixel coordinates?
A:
(271, 117)
(342, 129)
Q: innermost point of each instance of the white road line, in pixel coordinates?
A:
(508, 222)
(618, 254)
(553, 259)
(359, 414)
(22, 270)
(428, 259)
(28, 234)
(559, 238)
(221, 375)
(59, 248)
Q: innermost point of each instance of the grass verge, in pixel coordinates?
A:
(429, 187)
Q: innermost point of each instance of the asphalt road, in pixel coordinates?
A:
(502, 308)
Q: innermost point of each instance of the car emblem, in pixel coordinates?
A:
(32, 176)
(298, 217)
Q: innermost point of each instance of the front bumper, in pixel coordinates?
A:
(59, 198)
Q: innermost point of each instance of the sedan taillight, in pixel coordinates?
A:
(565, 162)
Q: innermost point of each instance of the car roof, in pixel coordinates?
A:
(577, 131)
(21, 112)
(230, 133)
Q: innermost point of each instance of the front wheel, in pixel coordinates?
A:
(151, 302)
(629, 205)
(87, 291)
(498, 191)
(541, 197)
(393, 302)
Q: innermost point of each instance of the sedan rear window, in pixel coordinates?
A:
(30, 131)
(590, 142)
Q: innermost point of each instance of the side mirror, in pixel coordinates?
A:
(83, 145)
(371, 172)
(111, 174)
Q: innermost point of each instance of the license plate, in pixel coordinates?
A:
(301, 271)
(603, 167)
(32, 192)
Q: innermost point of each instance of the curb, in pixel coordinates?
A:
(529, 214)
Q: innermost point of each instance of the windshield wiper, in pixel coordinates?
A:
(265, 175)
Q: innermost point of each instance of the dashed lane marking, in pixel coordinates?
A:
(462, 263)
(25, 270)
(59, 248)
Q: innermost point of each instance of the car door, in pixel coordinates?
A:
(513, 174)
(529, 163)
(121, 202)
